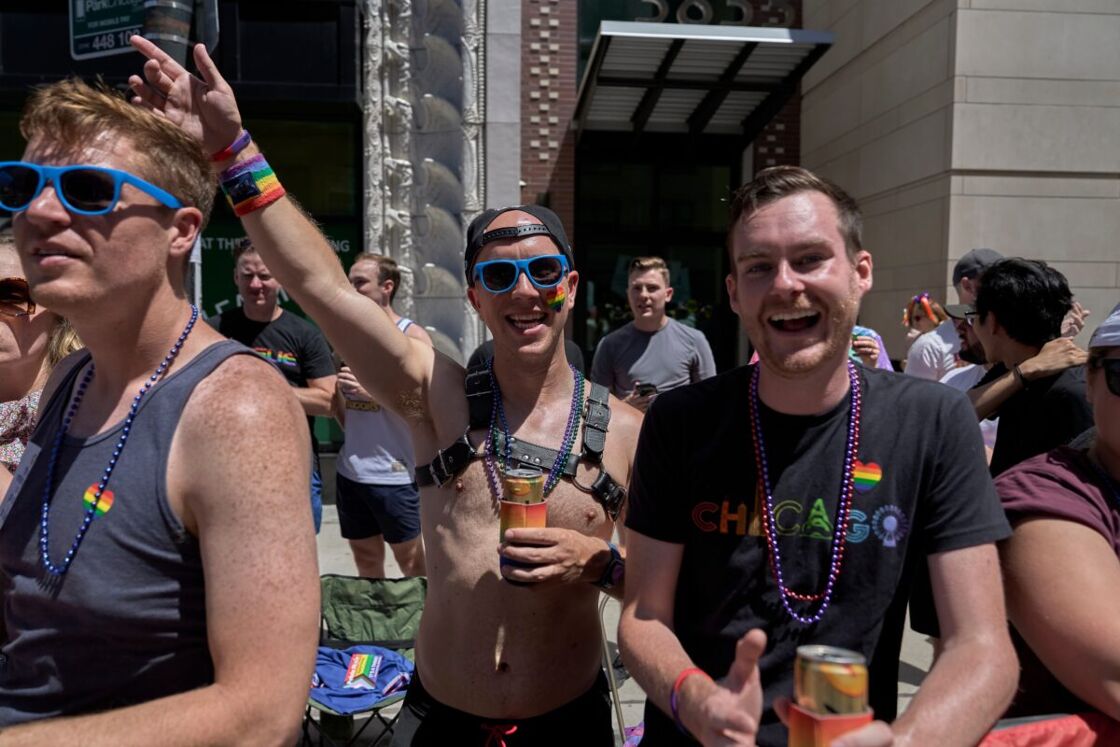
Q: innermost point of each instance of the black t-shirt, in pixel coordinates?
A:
(1047, 414)
(295, 346)
(922, 486)
(996, 371)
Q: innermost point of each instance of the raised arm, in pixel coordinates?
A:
(393, 367)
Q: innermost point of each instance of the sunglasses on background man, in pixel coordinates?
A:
(1111, 368)
(84, 190)
(15, 297)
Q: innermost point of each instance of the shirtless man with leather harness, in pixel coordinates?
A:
(499, 663)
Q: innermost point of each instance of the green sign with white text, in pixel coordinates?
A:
(219, 293)
(99, 28)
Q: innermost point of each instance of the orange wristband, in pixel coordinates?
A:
(674, 695)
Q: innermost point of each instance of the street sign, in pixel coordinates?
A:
(99, 28)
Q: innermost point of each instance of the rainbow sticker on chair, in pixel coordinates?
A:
(362, 671)
(103, 505)
(866, 476)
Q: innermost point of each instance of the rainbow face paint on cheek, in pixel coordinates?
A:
(555, 297)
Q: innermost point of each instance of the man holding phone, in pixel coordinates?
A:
(653, 353)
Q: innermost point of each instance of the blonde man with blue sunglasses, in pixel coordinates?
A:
(138, 589)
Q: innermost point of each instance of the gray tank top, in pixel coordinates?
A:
(127, 622)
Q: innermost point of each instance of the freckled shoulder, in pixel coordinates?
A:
(242, 432)
(244, 393)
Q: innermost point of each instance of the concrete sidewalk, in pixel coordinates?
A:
(335, 557)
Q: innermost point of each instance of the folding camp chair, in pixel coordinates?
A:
(608, 666)
(370, 612)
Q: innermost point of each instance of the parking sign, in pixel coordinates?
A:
(99, 28)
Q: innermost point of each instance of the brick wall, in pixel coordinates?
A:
(779, 143)
(549, 54)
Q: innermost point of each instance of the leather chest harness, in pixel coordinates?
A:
(451, 461)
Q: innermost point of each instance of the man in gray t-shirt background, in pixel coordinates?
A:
(653, 353)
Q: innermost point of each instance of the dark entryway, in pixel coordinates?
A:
(655, 194)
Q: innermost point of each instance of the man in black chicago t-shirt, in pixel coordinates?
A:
(295, 346)
(837, 479)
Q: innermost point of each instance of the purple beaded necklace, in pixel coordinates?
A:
(843, 509)
(498, 417)
(44, 524)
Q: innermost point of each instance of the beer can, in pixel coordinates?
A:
(523, 486)
(829, 680)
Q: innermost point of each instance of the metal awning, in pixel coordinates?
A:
(690, 78)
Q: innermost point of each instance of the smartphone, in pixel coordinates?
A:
(644, 390)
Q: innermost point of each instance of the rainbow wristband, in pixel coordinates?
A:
(674, 696)
(251, 185)
(231, 150)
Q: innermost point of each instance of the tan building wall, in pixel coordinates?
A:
(966, 123)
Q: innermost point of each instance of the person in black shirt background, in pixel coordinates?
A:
(1019, 308)
(295, 346)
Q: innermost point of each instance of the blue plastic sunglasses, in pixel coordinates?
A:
(500, 275)
(85, 190)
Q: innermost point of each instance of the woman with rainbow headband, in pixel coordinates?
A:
(922, 314)
(934, 351)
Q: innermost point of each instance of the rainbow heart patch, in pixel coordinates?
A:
(103, 505)
(866, 476)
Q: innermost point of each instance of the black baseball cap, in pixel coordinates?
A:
(974, 262)
(959, 310)
(550, 225)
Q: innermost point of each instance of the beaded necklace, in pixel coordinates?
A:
(44, 524)
(498, 417)
(843, 509)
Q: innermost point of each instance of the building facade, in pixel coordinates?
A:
(968, 123)
(956, 123)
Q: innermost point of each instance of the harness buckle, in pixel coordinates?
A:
(445, 474)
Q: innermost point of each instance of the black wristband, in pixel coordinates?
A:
(612, 574)
(1018, 373)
